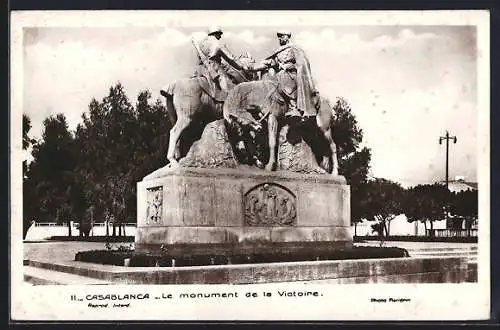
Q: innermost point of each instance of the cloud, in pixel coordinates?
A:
(403, 133)
(175, 38)
(63, 78)
(248, 37)
(403, 38)
(329, 41)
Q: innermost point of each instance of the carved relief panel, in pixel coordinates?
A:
(270, 204)
(154, 198)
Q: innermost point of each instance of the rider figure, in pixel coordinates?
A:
(294, 77)
(213, 50)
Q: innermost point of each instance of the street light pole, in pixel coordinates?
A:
(447, 137)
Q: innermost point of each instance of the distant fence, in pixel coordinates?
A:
(50, 224)
(96, 224)
(451, 232)
(410, 238)
(45, 230)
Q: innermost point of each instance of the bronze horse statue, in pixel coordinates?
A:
(258, 103)
(189, 104)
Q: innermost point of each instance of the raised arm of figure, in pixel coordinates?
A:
(228, 56)
(264, 65)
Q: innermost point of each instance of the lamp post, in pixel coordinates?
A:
(447, 137)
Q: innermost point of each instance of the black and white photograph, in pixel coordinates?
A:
(244, 165)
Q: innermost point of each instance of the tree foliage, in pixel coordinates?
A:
(354, 161)
(426, 203)
(27, 141)
(29, 193)
(49, 176)
(93, 173)
(464, 207)
(384, 199)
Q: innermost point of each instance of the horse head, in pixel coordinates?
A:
(246, 60)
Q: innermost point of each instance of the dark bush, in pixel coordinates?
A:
(104, 257)
(113, 257)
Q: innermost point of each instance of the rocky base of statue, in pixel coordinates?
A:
(294, 154)
(215, 150)
(212, 150)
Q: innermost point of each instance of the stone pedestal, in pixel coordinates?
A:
(190, 210)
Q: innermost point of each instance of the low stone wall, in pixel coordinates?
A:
(391, 270)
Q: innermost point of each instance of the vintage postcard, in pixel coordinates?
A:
(249, 165)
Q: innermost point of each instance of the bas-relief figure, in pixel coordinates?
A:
(270, 204)
(155, 204)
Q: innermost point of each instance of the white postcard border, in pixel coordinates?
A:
(338, 302)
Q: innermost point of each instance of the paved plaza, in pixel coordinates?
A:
(64, 252)
(59, 251)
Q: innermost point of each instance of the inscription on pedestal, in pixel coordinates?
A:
(270, 204)
(154, 197)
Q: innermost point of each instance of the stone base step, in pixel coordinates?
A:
(470, 252)
(416, 245)
(41, 276)
(433, 250)
(392, 270)
(442, 253)
(442, 249)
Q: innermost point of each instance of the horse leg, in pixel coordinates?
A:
(175, 134)
(325, 163)
(272, 125)
(333, 149)
(253, 150)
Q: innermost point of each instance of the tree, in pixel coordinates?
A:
(426, 203)
(359, 204)
(27, 141)
(78, 202)
(121, 144)
(50, 172)
(464, 205)
(29, 205)
(29, 193)
(353, 160)
(106, 138)
(384, 200)
(93, 173)
(347, 134)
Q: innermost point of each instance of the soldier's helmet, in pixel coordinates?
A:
(284, 33)
(214, 30)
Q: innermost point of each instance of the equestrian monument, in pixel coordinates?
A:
(252, 163)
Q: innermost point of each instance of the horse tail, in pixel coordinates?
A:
(172, 114)
(168, 93)
(231, 103)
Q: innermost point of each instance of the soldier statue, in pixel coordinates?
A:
(294, 77)
(213, 53)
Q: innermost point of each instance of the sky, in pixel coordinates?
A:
(406, 85)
